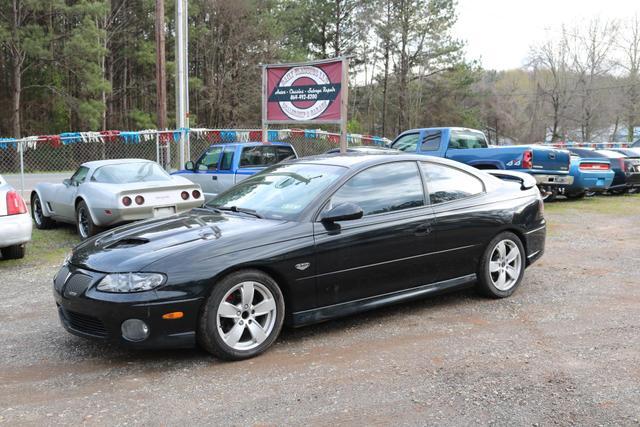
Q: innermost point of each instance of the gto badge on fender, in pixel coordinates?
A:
(303, 266)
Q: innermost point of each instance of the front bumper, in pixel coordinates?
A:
(560, 180)
(89, 313)
(15, 230)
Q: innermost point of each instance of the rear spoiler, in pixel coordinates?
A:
(526, 181)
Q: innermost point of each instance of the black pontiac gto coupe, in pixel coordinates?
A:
(304, 241)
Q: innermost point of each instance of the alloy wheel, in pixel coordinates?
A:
(505, 265)
(37, 211)
(83, 223)
(246, 315)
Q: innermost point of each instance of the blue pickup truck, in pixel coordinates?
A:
(223, 165)
(549, 166)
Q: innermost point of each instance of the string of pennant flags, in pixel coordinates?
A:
(167, 136)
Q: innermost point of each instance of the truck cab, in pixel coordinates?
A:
(223, 165)
(549, 166)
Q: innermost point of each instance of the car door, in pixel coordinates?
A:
(63, 202)
(388, 249)
(462, 225)
(206, 171)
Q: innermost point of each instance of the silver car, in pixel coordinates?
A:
(15, 223)
(105, 193)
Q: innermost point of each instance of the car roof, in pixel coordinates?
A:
(97, 163)
(250, 143)
(359, 160)
(611, 154)
(443, 128)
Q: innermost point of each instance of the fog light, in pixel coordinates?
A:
(135, 330)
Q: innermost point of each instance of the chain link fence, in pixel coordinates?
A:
(52, 158)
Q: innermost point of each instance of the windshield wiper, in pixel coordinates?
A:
(240, 210)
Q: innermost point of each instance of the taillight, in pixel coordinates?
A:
(195, 194)
(139, 200)
(184, 195)
(594, 166)
(15, 204)
(527, 159)
(126, 200)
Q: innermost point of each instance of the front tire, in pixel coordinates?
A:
(502, 266)
(242, 317)
(84, 223)
(37, 213)
(13, 252)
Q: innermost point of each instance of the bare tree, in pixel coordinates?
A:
(551, 67)
(592, 59)
(630, 47)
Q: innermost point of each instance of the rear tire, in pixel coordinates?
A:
(84, 223)
(37, 213)
(13, 252)
(502, 265)
(242, 317)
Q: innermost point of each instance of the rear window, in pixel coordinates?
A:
(125, 173)
(461, 140)
(264, 155)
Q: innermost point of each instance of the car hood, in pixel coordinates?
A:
(133, 247)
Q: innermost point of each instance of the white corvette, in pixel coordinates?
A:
(105, 193)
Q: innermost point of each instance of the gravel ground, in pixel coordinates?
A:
(565, 349)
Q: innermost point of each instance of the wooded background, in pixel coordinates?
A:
(90, 65)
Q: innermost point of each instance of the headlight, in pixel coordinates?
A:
(131, 282)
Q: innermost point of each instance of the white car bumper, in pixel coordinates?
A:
(15, 230)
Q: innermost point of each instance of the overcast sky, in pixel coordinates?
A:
(500, 32)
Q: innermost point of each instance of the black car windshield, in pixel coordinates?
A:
(125, 173)
(280, 192)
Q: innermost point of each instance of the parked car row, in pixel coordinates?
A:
(248, 237)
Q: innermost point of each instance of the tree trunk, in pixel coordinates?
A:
(16, 92)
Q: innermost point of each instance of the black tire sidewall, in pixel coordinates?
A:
(208, 335)
(92, 229)
(13, 252)
(484, 276)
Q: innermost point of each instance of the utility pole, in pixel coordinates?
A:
(182, 83)
(161, 69)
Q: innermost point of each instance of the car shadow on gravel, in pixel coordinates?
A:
(77, 348)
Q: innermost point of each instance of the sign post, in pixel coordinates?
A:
(306, 93)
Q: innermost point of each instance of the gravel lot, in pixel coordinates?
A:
(565, 349)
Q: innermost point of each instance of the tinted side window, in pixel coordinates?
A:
(227, 158)
(210, 159)
(283, 153)
(446, 183)
(384, 188)
(431, 141)
(406, 142)
(258, 156)
(462, 140)
(80, 175)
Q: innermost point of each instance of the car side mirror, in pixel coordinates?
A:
(67, 182)
(342, 212)
(190, 166)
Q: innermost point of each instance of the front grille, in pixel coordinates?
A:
(58, 282)
(76, 285)
(83, 323)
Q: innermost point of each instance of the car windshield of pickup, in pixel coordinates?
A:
(464, 139)
(280, 192)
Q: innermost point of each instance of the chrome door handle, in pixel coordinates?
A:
(214, 177)
(423, 230)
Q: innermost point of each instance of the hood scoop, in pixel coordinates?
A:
(127, 242)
